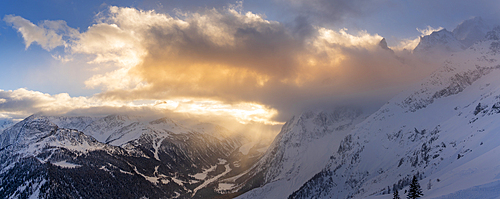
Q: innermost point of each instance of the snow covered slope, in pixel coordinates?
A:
(163, 159)
(302, 149)
(437, 42)
(5, 123)
(445, 42)
(471, 31)
(444, 130)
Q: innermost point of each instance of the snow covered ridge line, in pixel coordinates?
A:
(444, 131)
(161, 161)
(119, 129)
(458, 74)
(456, 84)
(411, 109)
(462, 37)
(302, 149)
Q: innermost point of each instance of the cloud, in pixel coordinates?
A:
(47, 34)
(18, 104)
(251, 120)
(429, 30)
(23, 102)
(235, 60)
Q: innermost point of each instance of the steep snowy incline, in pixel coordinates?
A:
(441, 41)
(77, 122)
(441, 131)
(43, 160)
(115, 129)
(5, 123)
(302, 149)
(471, 31)
(444, 42)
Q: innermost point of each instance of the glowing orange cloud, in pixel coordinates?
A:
(230, 62)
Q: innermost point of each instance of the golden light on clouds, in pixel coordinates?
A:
(243, 112)
(222, 62)
(32, 101)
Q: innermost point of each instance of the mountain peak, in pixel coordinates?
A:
(439, 41)
(383, 44)
(471, 30)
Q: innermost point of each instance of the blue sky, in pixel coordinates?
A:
(290, 28)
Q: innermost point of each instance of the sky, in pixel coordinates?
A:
(251, 62)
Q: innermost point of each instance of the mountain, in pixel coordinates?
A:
(300, 150)
(470, 31)
(53, 157)
(383, 44)
(5, 123)
(437, 42)
(444, 131)
(462, 37)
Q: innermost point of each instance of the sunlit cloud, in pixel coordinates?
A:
(243, 112)
(429, 30)
(222, 61)
(48, 34)
(20, 103)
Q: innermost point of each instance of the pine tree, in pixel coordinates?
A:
(415, 190)
(396, 194)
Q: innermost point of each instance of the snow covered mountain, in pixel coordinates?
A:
(462, 37)
(301, 149)
(47, 157)
(437, 42)
(470, 31)
(5, 123)
(444, 131)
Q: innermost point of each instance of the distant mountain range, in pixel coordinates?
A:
(117, 156)
(463, 36)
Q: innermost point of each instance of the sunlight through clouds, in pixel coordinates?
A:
(225, 61)
(243, 112)
(27, 102)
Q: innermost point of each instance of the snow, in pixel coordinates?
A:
(485, 191)
(126, 172)
(177, 181)
(222, 161)
(439, 41)
(225, 186)
(304, 148)
(203, 175)
(244, 149)
(437, 129)
(53, 135)
(156, 178)
(167, 126)
(471, 31)
(67, 165)
(6, 123)
(36, 193)
(157, 145)
(211, 180)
